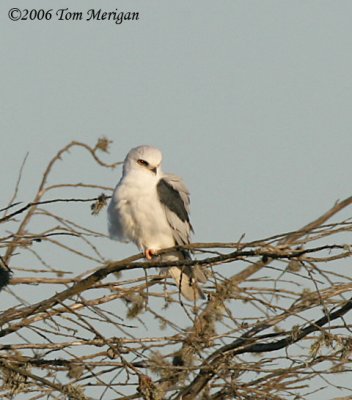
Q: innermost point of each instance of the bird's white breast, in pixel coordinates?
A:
(141, 215)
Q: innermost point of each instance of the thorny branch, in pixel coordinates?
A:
(276, 323)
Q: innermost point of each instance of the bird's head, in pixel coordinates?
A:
(145, 159)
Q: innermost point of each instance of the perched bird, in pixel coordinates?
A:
(151, 209)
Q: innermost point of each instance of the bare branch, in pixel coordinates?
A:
(276, 323)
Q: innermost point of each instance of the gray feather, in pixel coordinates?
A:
(174, 196)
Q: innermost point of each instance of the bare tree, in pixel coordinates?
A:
(275, 324)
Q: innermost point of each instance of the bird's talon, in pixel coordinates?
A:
(149, 254)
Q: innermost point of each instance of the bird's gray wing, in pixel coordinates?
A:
(174, 196)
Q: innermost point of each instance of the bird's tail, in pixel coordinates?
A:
(187, 283)
(187, 278)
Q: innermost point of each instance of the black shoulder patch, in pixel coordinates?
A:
(172, 200)
(5, 275)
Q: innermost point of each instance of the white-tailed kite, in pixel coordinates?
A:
(151, 209)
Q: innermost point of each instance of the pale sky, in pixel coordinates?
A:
(250, 102)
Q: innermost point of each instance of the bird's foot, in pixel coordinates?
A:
(149, 254)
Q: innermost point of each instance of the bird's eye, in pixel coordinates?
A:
(143, 162)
